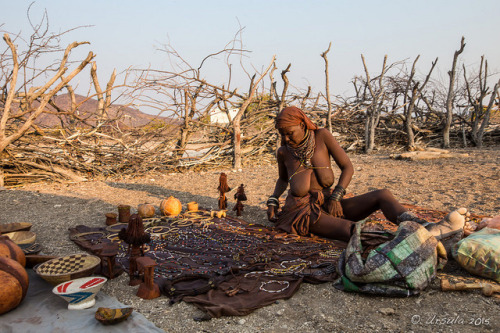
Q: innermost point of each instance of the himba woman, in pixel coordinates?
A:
(312, 206)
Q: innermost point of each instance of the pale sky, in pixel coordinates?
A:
(126, 33)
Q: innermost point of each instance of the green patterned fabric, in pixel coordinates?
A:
(480, 253)
(399, 267)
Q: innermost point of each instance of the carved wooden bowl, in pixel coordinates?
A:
(15, 226)
(22, 237)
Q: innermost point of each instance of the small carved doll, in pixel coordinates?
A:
(223, 188)
(239, 196)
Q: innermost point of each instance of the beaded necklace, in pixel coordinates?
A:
(305, 150)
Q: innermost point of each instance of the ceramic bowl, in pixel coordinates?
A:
(80, 293)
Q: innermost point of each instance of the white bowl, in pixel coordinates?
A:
(80, 293)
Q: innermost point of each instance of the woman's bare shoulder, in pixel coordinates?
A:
(323, 134)
(281, 151)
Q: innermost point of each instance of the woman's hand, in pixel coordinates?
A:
(272, 214)
(334, 208)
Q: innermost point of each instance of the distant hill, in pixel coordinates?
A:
(125, 116)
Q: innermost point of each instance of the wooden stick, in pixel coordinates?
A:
(487, 288)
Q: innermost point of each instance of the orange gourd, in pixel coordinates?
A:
(9, 249)
(14, 284)
(146, 210)
(192, 206)
(171, 206)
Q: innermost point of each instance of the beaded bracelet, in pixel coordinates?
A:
(338, 193)
(273, 201)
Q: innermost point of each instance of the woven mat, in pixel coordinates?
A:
(245, 266)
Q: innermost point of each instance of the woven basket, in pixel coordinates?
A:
(67, 268)
(15, 226)
(22, 237)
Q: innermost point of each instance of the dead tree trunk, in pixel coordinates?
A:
(285, 87)
(189, 112)
(480, 116)
(416, 92)
(373, 110)
(408, 106)
(327, 88)
(451, 96)
(272, 88)
(103, 100)
(486, 117)
(42, 94)
(237, 119)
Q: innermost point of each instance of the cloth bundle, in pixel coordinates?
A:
(399, 267)
(479, 253)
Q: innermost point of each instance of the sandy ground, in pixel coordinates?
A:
(443, 184)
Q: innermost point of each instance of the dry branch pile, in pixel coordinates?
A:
(116, 152)
(392, 108)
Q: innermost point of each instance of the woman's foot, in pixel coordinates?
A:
(453, 224)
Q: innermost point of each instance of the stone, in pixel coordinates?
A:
(387, 311)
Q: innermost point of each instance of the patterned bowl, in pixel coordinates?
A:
(80, 293)
(67, 268)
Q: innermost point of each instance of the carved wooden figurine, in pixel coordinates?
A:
(239, 196)
(148, 288)
(107, 253)
(223, 188)
(135, 237)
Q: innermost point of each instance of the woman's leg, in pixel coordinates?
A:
(332, 227)
(361, 206)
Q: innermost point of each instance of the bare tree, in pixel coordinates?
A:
(451, 95)
(286, 82)
(236, 123)
(373, 110)
(327, 89)
(103, 100)
(409, 106)
(480, 114)
(19, 100)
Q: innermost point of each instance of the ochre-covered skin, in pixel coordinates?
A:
(9, 249)
(14, 284)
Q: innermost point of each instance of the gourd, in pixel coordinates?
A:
(9, 249)
(171, 206)
(14, 284)
(192, 206)
(146, 210)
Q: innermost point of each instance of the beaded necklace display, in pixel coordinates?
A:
(196, 244)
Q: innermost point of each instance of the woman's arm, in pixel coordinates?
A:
(340, 157)
(332, 204)
(282, 182)
(279, 188)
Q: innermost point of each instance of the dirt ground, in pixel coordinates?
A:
(443, 184)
